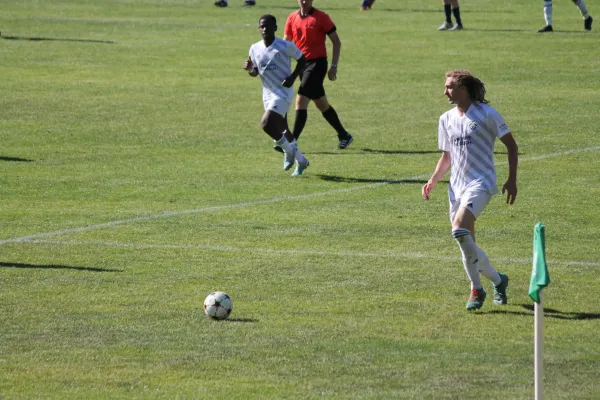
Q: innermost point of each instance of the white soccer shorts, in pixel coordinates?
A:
(475, 200)
(279, 105)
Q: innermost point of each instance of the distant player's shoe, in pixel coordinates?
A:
(344, 143)
(445, 26)
(367, 5)
(249, 3)
(221, 3)
(289, 158)
(547, 28)
(476, 299)
(587, 23)
(300, 167)
(278, 148)
(500, 291)
(457, 28)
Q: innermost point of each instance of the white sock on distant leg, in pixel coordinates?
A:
(548, 12)
(485, 267)
(469, 255)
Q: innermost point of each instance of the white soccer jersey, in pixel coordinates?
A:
(274, 65)
(470, 139)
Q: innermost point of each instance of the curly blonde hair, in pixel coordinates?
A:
(475, 87)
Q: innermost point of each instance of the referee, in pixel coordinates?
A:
(307, 28)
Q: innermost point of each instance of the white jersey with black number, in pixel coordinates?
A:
(274, 65)
(470, 139)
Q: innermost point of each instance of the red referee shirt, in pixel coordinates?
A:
(309, 32)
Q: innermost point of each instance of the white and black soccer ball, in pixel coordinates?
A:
(218, 305)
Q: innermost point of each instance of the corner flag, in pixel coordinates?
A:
(539, 274)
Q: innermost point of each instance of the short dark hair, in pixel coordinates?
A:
(270, 18)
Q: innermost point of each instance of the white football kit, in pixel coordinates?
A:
(470, 139)
(274, 65)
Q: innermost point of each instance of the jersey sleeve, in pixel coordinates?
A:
(326, 23)
(252, 57)
(443, 143)
(497, 123)
(292, 51)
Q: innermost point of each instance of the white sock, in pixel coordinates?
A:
(485, 267)
(582, 8)
(469, 255)
(299, 156)
(548, 12)
(284, 144)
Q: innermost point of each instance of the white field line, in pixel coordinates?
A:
(409, 255)
(251, 203)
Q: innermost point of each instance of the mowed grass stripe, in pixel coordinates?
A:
(253, 203)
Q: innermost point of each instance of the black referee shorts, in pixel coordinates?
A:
(312, 78)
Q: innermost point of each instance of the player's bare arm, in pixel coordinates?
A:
(443, 165)
(510, 187)
(289, 81)
(335, 55)
(249, 66)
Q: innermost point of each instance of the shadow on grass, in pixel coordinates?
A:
(335, 178)
(39, 39)
(241, 320)
(2, 158)
(549, 313)
(53, 266)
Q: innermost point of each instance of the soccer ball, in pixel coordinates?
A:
(218, 305)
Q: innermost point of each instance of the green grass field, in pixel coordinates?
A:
(135, 180)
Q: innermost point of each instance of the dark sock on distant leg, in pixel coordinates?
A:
(456, 12)
(299, 122)
(448, 12)
(332, 117)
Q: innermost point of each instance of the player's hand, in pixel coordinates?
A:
(288, 82)
(247, 65)
(427, 189)
(510, 187)
(332, 73)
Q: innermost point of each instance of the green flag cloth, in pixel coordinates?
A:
(539, 274)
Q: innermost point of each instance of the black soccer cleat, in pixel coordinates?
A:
(345, 143)
(587, 23)
(221, 3)
(547, 28)
(249, 3)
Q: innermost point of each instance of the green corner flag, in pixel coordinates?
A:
(539, 274)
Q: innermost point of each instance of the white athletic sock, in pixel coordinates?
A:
(299, 156)
(582, 8)
(469, 255)
(548, 12)
(485, 267)
(284, 144)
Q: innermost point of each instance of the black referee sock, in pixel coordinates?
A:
(299, 122)
(448, 12)
(332, 117)
(456, 12)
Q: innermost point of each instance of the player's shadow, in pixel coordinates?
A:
(335, 178)
(39, 39)
(550, 313)
(54, 266)
(379, 151)
(3, 158)
(241, 320)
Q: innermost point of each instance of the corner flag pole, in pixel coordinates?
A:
(539, 280)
